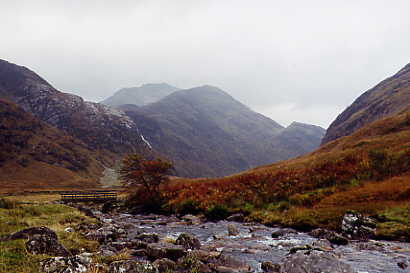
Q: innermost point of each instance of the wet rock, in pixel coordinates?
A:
(165, 250)
(206, 256)
(402, 265)
(295, 249)
(232, 230)
(191, 219)
(148, 237)
(283, 232)
(44, 244)
(109, 206)
(69, 230)
(103, 234)
(313, 261)
(270, 267)
(74, 264)
(30, 232)
(227, 263)
(165, 265)
(238, 217)
(358, 227)
(130, 266)
(331, 236)
(188, 241)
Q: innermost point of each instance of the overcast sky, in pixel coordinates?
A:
(290, 60)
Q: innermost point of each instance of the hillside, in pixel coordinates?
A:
(36, 155)
(143, 95)
(208, 133)
(389, 97)
(97, 125)
(366, 171)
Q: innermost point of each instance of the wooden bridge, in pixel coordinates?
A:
(91, 196)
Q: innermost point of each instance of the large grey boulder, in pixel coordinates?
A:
(357, 226)
(30, 232)
(314, 261)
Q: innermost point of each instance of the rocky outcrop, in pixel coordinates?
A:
(188, 241)
(331, 236)
(130, 266)
(389, 97)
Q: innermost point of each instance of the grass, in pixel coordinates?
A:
(37, 211)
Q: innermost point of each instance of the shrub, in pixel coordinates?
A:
(6, 204)
(188, 206)
(217, 212)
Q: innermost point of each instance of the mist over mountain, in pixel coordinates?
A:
(145, 94)
(206, 132)
(387, 98)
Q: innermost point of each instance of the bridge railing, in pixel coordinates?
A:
(91, 196)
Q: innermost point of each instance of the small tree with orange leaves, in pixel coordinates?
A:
(144, 178)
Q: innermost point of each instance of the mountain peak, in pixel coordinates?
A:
(142, 95)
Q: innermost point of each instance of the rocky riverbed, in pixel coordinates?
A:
(189, 244)
(259, 248)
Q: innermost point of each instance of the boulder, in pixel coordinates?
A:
(165, 265)
(270, 267)
(192, 219)
(148, 237)
(238, 217)
(357, 226)
(232, 230)
(73, 264)
(165, 250)
(44, 244)
(282, 232)
(104, 234)
(331, 236)
(313, 261)
(30, 232)
(188, 241)
(192, 263)
(130, 266)
(227, 263)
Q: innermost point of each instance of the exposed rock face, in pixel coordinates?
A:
(30, 232)
(357, 226)
(314, 262)
(99, 126)
(143, 95)
(165, 250)
(389, 97)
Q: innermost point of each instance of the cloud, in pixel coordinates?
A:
(297, 58)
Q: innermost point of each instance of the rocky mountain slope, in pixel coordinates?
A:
(298, 139)
(389, 97)
(206, 132)
(99, 126)
(145, 94)
(34, 154)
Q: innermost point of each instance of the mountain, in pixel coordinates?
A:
(33, 154)
(298, 139)
(389, 97)
(145, 94)
(206, 132)
(99, 126)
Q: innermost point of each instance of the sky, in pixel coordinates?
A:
(291, 60)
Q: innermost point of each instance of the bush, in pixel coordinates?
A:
(217, 212)
(6, 204)
(188, 207)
